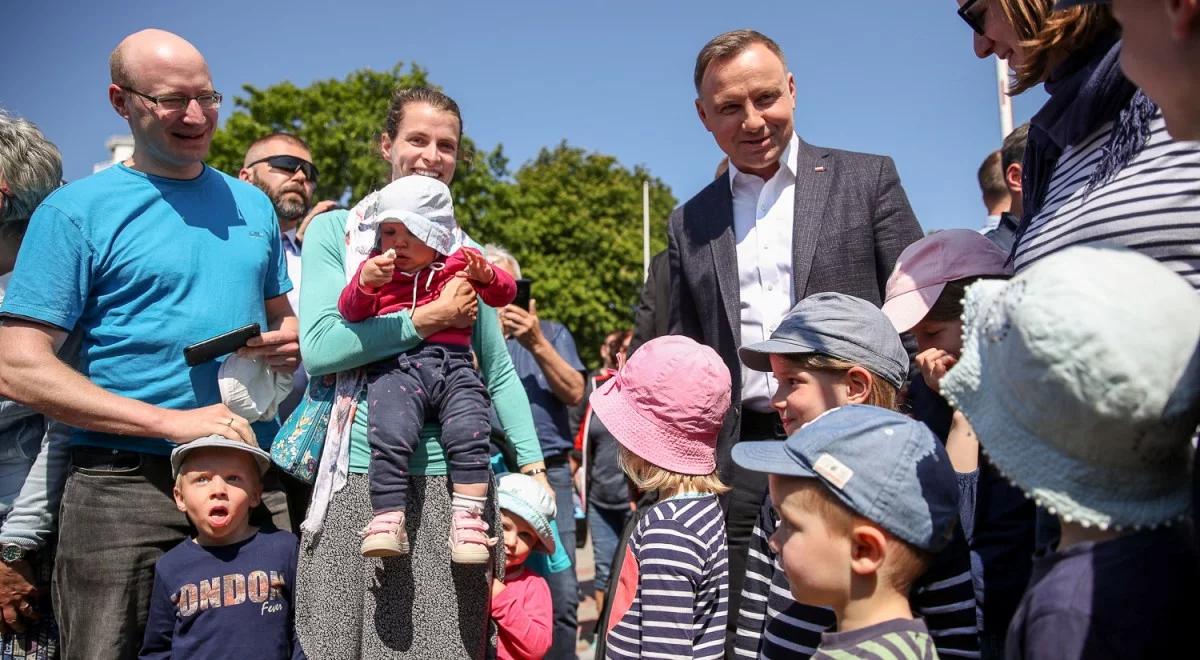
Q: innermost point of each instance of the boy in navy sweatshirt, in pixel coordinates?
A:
(227, 593)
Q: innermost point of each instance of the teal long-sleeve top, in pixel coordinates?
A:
(329, 343)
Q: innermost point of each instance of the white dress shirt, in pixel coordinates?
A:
(762, 229)
(291, 253)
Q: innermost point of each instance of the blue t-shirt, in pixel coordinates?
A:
(144, 266)
(549, 414)
(229, 601)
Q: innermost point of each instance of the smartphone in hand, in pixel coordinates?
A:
(223, 344)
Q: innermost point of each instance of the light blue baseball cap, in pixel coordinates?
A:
(885, 467)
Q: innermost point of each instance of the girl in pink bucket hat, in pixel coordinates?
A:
(665, 407)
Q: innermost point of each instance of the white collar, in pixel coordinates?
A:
(787, 160)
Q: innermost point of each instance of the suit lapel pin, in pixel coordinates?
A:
(819, 168)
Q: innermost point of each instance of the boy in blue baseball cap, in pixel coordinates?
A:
(865, 497)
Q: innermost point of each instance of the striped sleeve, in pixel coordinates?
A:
(944, 596)
(756, 588)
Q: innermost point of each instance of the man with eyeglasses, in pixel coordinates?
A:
(141, 260)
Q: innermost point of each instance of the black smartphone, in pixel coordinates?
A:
(224, 344)
(524, 289)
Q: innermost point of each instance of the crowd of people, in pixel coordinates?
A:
(238, 421)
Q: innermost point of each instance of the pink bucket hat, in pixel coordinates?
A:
(667, 404)
(925, 267)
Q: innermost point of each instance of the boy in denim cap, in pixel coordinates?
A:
(1079, 391)
(865, 497)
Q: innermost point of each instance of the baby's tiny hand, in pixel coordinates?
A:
(378, 271)
(478, 268)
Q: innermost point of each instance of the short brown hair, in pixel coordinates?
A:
(728, 44)
(1048, 36)
(883, 394)
(991, 179)
(904, 563)
(650, 478)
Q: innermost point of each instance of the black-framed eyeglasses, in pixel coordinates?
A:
(972, 18)
(177, 102)
(290, 164)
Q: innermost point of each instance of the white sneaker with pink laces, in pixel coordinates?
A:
(469, 540)
(385, 536)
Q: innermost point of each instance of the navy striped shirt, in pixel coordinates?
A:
(1151, 205)
(681, 606)
(771, 624)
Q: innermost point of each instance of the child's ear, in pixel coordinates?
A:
(179, 504)
(858, 384)
(868, 549)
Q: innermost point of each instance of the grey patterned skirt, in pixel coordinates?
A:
(415, 606)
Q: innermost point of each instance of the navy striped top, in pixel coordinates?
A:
(682, 600)
(1151, 205)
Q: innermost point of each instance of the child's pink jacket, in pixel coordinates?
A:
(409, 291)
(524, 617)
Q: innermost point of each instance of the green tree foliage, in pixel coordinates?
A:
(573, 218)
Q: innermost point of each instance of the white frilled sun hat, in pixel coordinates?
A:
(424, 205)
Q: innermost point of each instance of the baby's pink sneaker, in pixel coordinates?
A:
(469, 542)
(385, 536)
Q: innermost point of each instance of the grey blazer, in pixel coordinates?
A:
(852, 220)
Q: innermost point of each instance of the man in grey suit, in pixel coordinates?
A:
(786, 221)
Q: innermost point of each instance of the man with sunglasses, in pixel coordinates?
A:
(140, 260)
(281, 166)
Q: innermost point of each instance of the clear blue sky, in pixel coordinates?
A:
(889, 77)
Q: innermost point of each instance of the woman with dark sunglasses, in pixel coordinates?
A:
(1099, 167)
(422, 605)
(1095, 148)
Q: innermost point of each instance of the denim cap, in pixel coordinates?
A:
(837, 325)
(522, 495)
(884, 466)
(179, 455)
(1079, 377)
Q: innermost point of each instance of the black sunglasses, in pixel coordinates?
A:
(290, 164)
(975, 20)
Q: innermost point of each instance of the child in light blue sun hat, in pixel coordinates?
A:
(1066, 374)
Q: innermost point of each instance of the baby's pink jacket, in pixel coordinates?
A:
(359, 304)
(524, 617)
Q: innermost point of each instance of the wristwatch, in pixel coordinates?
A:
(10, 553)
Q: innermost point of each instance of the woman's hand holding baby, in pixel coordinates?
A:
(378, 271)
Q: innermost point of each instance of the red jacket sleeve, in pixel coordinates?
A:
(502, 290)
(357, 304)
(524, 617)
